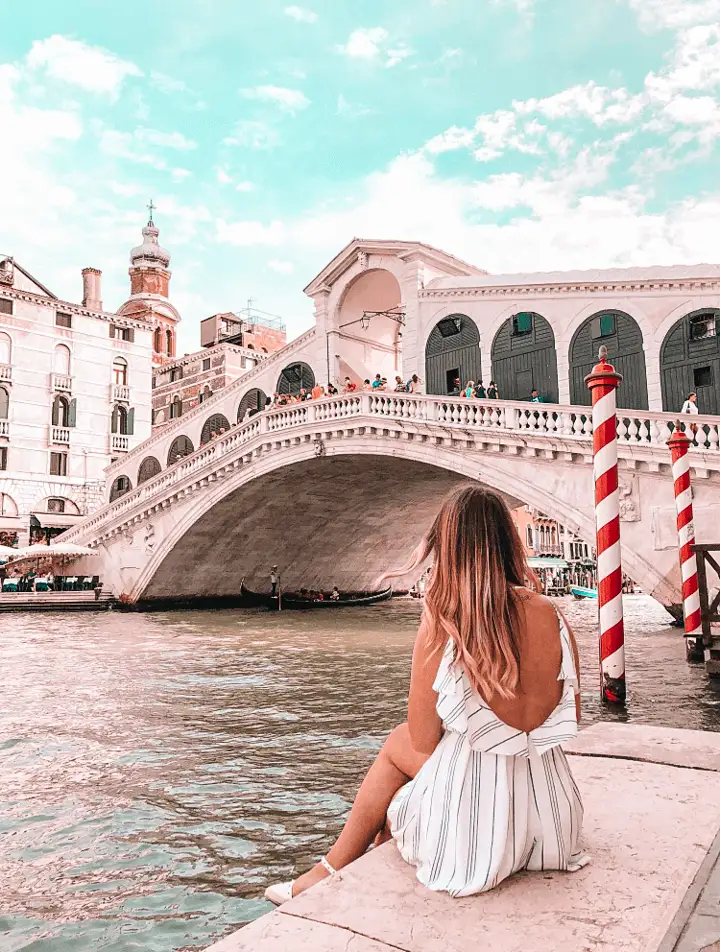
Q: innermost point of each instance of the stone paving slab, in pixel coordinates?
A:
(659, 745)
(648, 826)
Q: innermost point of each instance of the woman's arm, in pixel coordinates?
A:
(423, 719)
(576, 656)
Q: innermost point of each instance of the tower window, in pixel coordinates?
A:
(602, 326)
(522, 324)
(702, 326)
(702, 377)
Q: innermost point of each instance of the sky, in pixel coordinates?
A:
(520, 135)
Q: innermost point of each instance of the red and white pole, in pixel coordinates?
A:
(603, 382)
(679, 444)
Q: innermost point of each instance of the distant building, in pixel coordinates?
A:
(74, 396)
(233, 345)
(559, 557)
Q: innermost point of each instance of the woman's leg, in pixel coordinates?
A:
(396, 763)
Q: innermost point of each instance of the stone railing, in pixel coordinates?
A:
(4, 428)
(60, 434)
(5, 373)
(61, 382)
(492, 419)
(215, 403)
(119, 444)
(119, 393)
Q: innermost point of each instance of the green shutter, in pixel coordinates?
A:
(72, 412)
(115, 420)
(131, 422)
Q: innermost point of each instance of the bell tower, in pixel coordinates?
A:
(149, 291)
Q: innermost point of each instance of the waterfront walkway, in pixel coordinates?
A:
(652, 826)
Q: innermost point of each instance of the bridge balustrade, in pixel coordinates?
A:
(637, 428)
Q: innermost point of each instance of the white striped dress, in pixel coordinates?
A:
(491, 800)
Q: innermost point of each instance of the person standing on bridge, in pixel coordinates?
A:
(492, 391)
(475, 786)
(690, 407)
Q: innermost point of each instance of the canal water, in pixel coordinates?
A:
(157, 771)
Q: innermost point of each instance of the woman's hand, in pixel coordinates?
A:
(423, 719)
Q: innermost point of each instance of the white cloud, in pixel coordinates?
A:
(244, 186)
(282, 267)
(588, 100)
(167, 84)
(89, 67)
(301, 14)
(247, 233)
(397, 55)
(695, 64)
(252, 134)
(292, 100)
(222, 177)
(166, 140)
(179, 175)
(524, 7)
(675, 14)
(364, 43)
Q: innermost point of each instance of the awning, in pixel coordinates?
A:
(56, 520)
(539, 563)
(11, 524)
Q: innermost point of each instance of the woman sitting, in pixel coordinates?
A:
(475, 786)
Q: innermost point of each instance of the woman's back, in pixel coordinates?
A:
(540, 655)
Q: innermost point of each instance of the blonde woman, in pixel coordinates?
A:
(475, 786)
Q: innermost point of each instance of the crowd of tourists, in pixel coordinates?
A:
(380, 383)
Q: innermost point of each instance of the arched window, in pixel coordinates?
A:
(7, 505)
(296, 377)
(61, 360)
(149, 468)
(119, 487)
(5, 349)
(120, 421)
(170, 350)
(621, 334)
(524, 358)
(253, 401)
(4, 403)
(452, 352)
(120, 372)
(690, 361)
(176, 408)
(56, 505)
(181, 446)
(214, 426)
(61, 411)
(158, 340)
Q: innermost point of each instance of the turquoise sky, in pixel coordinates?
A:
(518, 134)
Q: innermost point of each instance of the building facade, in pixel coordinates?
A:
(233, 345)
(75, 384)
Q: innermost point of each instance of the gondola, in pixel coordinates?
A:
(293, 602)
(579, 592)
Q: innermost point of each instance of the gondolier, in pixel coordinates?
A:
(274, 581)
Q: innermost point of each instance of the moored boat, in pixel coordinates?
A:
(293, 601)
(579, 592)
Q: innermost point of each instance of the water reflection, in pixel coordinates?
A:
(159, 770)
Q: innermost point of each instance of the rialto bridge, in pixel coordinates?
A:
(338, 490)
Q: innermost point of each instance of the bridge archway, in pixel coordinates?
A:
(213, 427)
(149, 469)
(296, 377)
(181, 446)
(622, 336)
(120, 486)
(251, 402)
(690, 360)
(452, 350)
(524, 358)
(370, 319)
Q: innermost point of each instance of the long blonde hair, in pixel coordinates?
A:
(472, 596)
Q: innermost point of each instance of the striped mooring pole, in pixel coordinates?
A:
(603, 382)
(679, 444)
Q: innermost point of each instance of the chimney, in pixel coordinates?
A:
(91, 288)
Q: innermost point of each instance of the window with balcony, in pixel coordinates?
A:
(123, 421)
(61, 361)
(56, 505)
(120, 372)
(64, 411)
(6, 307)
(62, 319)
(58, 464)
(4, 403)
